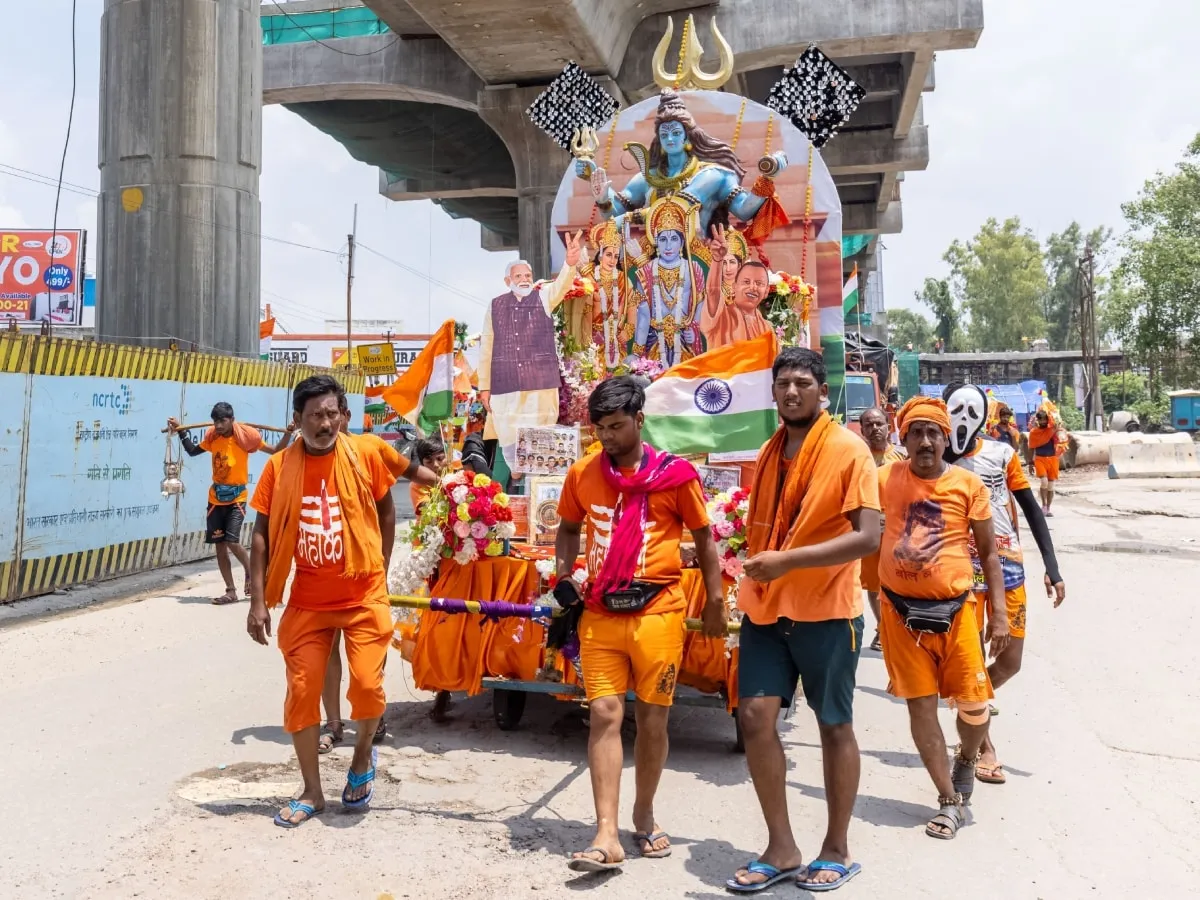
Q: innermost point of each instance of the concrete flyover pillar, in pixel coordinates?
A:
(180, 154)
(539, 165)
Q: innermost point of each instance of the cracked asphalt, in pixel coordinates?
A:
(144, 757)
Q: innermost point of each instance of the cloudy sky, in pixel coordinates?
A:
(1061, 113)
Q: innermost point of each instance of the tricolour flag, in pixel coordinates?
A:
(850, 291)
(266, 330)
(425, 393)
(720, 401)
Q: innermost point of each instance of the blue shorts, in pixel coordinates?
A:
(822, 656)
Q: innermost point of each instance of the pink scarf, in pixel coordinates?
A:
(658, 472)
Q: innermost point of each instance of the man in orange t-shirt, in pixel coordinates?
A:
(1043, 443)
(321, 507)
(814, 513)
(930, 645)
(636, 502)
(230, 443)
(873, 424)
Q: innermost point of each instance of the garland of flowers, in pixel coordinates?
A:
(789, 306)
(464, 518)
(728, 512)
(580, 371)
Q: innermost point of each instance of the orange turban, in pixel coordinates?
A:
(930, 409)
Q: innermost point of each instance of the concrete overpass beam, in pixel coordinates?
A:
(496, 242)
(449, 188)
(865, 218)
(918, 71)
(873, 152)
(539, 166)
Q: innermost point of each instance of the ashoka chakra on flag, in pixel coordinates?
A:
(713, 396)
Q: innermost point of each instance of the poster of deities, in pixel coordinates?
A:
(718, 479)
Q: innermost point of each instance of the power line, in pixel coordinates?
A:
(50, 181)
(62, 165)
(442, 284)
(313, 37)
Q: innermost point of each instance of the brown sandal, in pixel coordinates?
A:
(230, 596)
(991, 774)
(331, 736)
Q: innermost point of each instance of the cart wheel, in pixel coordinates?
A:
(739, 742)
(508, 707)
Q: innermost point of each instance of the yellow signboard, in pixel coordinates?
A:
(376, 359)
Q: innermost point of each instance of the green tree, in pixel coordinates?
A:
(1158, 316)
(1060, 303)
(905, 326)
(936, 295)
(998, 278)
(1122, 390)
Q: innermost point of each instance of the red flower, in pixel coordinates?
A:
(489, 519)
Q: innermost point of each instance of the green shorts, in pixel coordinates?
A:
(822, 656)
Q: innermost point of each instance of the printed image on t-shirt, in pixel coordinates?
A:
(320, 535)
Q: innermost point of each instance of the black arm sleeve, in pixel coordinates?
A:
(1041, 533)
(189, 445)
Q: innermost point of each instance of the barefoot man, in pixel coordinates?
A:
(873, 424)
(230, 443)
(814, 513)
(636, 502)
(930, 645)
(320, 505)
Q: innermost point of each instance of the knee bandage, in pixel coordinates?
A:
(972, 712)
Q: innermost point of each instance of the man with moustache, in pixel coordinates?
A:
(726, 320)
(814, 513)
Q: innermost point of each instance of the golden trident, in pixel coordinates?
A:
(584, 143)
(690, 76)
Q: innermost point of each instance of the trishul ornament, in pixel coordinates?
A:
(584, 143)
(689, 75)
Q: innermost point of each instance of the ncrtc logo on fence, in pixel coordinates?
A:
(120, 400)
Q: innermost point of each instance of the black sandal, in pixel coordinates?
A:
(951, 817)
(331, 736)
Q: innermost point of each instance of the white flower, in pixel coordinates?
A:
(506, 531)
(467, 554)
(432, 537)
(460, 494)
(545, 567)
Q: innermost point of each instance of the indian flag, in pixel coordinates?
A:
(850, 291)
(266, 330)
(425, 393)
(720, 401)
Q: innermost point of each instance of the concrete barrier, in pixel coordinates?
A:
(1157, 459)
(1093, 448)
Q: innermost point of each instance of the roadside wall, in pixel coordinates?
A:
(81, 453)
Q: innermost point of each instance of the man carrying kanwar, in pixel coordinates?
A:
(997, 465)
(814, 513)
(873, 424)
(399, 465)
(930, 644)
(230, 443)
(1043, 442)
(1004, 430)
(636, 502)
(322, 505)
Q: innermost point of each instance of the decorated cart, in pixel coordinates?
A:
(723, 232)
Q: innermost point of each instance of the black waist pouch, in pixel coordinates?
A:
(930, 616)
(631, 599)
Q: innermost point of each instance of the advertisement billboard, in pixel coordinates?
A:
(42, 279)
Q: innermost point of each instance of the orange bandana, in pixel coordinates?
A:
(930, 409)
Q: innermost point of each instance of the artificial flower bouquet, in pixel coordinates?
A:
(728, 512)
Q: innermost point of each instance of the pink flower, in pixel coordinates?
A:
(462, 528)
(723, 529)
(478, 530)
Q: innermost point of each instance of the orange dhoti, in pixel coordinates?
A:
(305, 638)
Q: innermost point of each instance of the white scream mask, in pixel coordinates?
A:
(968, 414)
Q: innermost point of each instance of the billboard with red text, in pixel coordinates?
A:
(41, 275)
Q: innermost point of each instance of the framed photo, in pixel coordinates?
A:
(717, 479)
(546, 451)
(519, 505)
(544, 491)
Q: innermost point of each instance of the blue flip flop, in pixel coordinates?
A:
(295, 806)
(355, 781)
(824, 865)
(756, 867)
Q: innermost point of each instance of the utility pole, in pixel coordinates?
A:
(1089, 341)
(349, 290)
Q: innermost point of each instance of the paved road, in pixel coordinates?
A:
(143, 758)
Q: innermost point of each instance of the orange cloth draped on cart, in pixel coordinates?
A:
(456, 651)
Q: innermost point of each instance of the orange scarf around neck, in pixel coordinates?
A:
(773, 513)
(249, 439)
(361, 538)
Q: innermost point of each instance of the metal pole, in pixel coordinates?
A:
(349, 289)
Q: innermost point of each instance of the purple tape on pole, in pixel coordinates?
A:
(492, 609)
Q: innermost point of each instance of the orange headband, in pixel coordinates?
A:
(930, 409)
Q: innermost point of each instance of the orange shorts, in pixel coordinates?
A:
(869, 576)
(618, 650)
(305, 637)
(1014, 600)
(918, 664)
(1046, 467)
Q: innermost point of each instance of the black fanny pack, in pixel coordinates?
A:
(930, 616)
(631, 599)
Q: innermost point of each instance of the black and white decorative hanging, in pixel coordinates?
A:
(817, 95)
(571, 101)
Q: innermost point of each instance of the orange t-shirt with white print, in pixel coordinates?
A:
(925, 553)
(587, 497)
(395, 461)
(320, 552)
(230, 465)
(843, 480)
